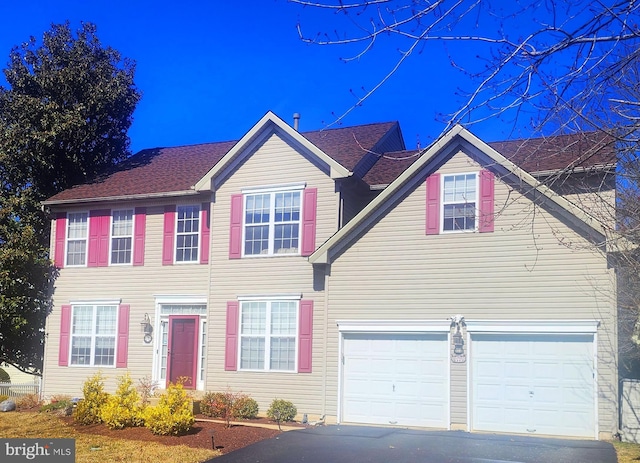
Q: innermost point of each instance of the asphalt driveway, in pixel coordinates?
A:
(356, 444)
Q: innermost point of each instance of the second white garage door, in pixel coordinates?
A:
(396, 379)
(533, 384)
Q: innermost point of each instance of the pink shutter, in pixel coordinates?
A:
(235, 229)
(167, 238)
(122, 348)
(61, 231)
(433, 204)
(65, 335)
(205, 233)
(487, 186)
(231, 344)
(99, 221)
(139, 230)
(309, 207)
(305, 336)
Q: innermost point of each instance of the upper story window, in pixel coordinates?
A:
(121, 236)
(93, 335)
(459, 198)
(268, 333)
(460, 202)
(187, 233)
(77, 226)
(272, 223)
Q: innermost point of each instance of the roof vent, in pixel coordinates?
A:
(296, 121)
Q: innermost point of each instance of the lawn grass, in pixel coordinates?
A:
(94, 448)
(627, 453)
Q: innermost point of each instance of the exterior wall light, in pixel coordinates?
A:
(147, 329)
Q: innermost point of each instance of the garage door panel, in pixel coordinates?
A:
(543, 384)
(404, 380)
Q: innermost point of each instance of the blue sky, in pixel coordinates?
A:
(208, 70)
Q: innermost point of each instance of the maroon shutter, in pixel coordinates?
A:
(168, 235)
(65, 335)
(235, 229)
(139, 230)
(487, 187)
(309, 207)
(99, 222)
(61, 231)
(231, 343)
(205, 233)
(305, 336)
(433, 204)
(122, 348)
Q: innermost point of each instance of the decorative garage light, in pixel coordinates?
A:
(147, 329)
(458, 355)
(458, 343)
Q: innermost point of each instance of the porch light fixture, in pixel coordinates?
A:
(458, 343)
(146, 327)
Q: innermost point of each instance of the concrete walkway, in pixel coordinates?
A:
(356, 444)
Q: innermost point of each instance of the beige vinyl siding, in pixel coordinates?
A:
(273, 163)
(133, 285)
(533, 266)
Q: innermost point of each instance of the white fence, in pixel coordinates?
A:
(19, 389)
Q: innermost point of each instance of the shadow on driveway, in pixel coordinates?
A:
(356, 444)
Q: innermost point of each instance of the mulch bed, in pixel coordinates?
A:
(225, 440)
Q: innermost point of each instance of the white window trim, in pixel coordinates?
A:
(94, 303)
(272, 190)
(442, 203)
(267, 336)
(132, 236)
(67, 239)
(175, 236)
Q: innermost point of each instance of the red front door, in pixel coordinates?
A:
(182, 356)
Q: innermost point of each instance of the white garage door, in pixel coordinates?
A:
(542, 384)
(396, 379)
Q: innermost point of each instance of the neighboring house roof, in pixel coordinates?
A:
(430, 159)
(538, 156)
(170, 171)
(578, 151)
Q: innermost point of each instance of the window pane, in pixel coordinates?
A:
(82, 320)
(76, 238)
(252, 353)
(253, 318)
(188, 234)
(283, 354)
(106, 320)
(81, 350)
(286, 239)
(121, 236)
(121, 250)
(256, 240)
(283, 318)
(105, 350)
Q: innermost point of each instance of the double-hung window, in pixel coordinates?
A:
(187, 233)
(77, 227)
(268, 335)
(272, 222)
(459, 200)
(93, 335)
(121, 236)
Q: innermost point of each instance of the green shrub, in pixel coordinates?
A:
(173, 415)
(282, 410)
(94, 398)
(4, 376)
(246, 408)
(58, 404)
(213, 404)
(123, 409)
(228, 406)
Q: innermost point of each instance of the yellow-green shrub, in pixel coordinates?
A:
(123, 408)
(173, 415)
(88, 409)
